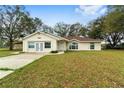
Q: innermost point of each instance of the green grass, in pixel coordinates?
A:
(6, 52)
(72, 69)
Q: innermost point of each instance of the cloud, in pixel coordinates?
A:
(91, 9)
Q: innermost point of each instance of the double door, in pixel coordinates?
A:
(39, 46)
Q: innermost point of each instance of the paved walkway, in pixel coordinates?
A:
(4, 73)
(17, 61)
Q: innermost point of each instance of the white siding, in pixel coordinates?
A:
(55, 45)
(39, 38)
(83, 46)
(97, 46)
(86, 46)
(62, 45)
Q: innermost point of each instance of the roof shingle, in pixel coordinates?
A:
(81, 38)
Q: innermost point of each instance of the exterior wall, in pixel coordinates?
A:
(62, 45)
(40, 38)
(86, 46)
(17, 46)
(97, 46)
(83, 46)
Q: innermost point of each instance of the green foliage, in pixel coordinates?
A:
(76, 29)
(110, 26)
(114, 25)
(47, 29)
(114, 22)
(62, 29)
(54, 51)
(15, 22)
(6, 69)
(30, 25)
(96, 28)
(83, 31)
(112, 8)
(10, 18)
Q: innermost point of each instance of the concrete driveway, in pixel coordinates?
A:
(17, 61)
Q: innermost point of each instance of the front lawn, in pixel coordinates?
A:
(6, 52)
(72, 69)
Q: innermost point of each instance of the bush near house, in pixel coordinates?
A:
(54, 51)
(120, 46)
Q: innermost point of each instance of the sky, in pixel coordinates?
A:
(52, 14)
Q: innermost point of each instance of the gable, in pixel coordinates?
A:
(39, 34)
(39, 37)
(82, 39)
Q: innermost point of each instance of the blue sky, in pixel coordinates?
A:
(51, 14)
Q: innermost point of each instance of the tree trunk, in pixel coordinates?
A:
(11, 44)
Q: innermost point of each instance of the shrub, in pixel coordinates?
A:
(6, 69)
(104, 46)
(121, 46)
(54, 51)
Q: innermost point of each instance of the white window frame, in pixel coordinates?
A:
(92, 46)
(47, 45)
(73, 46)
(30, 44)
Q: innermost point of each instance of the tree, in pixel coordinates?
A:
(62, 29)
(114, 25)
(29, 25)
(0, 32)
(10, 18)
(96, 28)
(111, 8)
(75, 29)
(47, 29)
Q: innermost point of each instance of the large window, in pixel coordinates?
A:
(30, 44)
(47, 44)
(73, 45)
(92, 46)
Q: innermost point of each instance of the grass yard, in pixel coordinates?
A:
(6, 52)
(72, 69)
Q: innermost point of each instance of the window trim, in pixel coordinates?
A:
(73, 46)
(92, 46)
(30, 44)
(47, 45)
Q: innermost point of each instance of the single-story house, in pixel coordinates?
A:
(44, 42)
(17, 45)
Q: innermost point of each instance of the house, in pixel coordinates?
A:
(44, 42)
(17, 45)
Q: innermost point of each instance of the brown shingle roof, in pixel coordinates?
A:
(81, 38)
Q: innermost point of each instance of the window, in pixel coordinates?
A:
(73, 45)
(92, 46)
(47, 44)
(31, 45)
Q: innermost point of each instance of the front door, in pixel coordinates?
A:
(39, 46)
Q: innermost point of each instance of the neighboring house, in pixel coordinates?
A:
(18, 45)
(44, 42)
